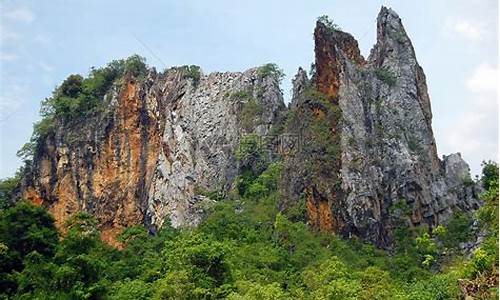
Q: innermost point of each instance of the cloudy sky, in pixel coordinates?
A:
(42, 42)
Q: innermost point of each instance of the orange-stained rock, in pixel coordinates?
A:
(319, 213)
(380, 152)
(154, 145)
(330, 46)
(106, 177)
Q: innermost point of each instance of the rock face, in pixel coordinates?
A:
(201, 133)
(160, 142)
(360, 132)
(387, 148)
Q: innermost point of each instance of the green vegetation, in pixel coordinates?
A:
(7, 189)
(386, 76)
(319, 129)
(399, 36)
(251, 114)
(245, 249)
(271, 70)
(414, 145)
(490, 175)
(78, 98)
(325, 20)
(193, 72)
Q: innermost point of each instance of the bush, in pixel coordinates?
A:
(325, 20)
(131, 290)
(271, 70)
(193, 72)
(251, 290)
(386, 76)
(251, 155)
(490, 174)
(437, 287)
(251, 114)
(458, 229)
(7, 190)
(79, 97)
(25, 228)
(134, 65)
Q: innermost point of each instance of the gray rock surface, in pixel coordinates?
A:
(388, 151)
(362, 131)
(202, 131)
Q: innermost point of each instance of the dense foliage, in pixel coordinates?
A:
(386, 76)
(8, 188)
(271, 70)
(79, 97)
(325, 20)
(245, 249)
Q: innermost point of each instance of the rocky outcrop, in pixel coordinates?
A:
(387, 148)
(160, 142)
(358, 140)
(202, 130)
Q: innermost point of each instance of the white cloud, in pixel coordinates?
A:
(45, 67)
(475, 132)
(20, 14)
(469, 29)
(484, 79)
(7, 35)
(7, 57)
(11, 99)
(42, 38)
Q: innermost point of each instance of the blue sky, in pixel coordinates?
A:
(42, 42)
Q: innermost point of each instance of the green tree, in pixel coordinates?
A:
(24, 229)
(131, 290)
(202, 257)
(7, 190)
(490, 174)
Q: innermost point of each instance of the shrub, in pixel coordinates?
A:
(437, 287)
(7, 189)
(458, 229)
(325, 20)
(131, 290)
(193, 72)
(203, 258)
(386, 76)
(134, 65)
(271, 70)
(251, 290)
(332, 280)
(25, 228)
(489, 174)
(250, 146)
(427, 248)
(251, 114)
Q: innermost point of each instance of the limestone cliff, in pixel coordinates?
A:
(158, 144)
(386, 148)
(361, 131)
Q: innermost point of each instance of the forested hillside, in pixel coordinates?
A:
(176, 184)
(246, 249)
